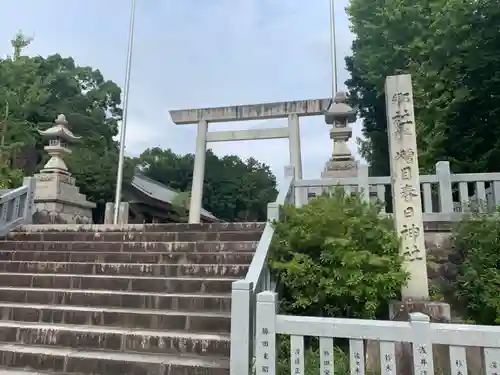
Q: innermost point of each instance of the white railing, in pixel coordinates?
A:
(16, 206)
(445, 196)
(418, 331)
(244, 292)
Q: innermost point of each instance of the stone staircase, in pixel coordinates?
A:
(141, 300)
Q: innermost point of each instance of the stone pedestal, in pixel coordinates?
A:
(123, 213)
(59, 201)
(341, 168)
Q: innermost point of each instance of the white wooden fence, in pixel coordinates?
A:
(245, 322)
(16, 206)
(418, 331)
(444, 195)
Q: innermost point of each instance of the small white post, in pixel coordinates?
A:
(290, 173)
(363, 183)
(29, 204)
(273, 211)
(423, 362)
(265, 354)
(295, 153)
(405, 181)
(496, 193)
(444, 182)
(198, 173)
(241, 329)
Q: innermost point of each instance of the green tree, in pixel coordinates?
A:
(233, 190)
(20, 91)
(337, 257)
(451, 49)
(474, 275)
(9, 177)
(181, 205)
(461, 87)
(34, 90)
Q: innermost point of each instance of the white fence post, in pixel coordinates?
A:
(265, 354)
(273, 211)
(496, 193)
(241, 330)
(29, 204)
(423, 362)
(445, 192)
(290, 173)
(363, 185)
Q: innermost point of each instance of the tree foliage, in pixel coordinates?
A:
(9, 177)
(452, 50)
(34, 90)
(233, 190)
(476, 258)
(337, 257)
(180, 205)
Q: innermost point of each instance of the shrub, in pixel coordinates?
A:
(337, 257)
(477, 259)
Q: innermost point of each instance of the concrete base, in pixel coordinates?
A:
(57, 212)
(438, 311)
(343, 168)
(59, 201)
(123, 213)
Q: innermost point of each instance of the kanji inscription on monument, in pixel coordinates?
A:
(405, 182)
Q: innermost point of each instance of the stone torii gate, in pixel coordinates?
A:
(291, 110)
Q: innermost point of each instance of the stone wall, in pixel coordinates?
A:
(440, 267)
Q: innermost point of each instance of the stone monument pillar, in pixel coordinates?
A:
(405, 181)
(340, 115)
(57, 198)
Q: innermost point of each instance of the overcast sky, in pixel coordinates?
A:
(198, 53)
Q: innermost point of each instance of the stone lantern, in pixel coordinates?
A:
(57, 198)
(340, 115)
(58, 136)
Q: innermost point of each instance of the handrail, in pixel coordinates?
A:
(244, 292)
(259, 260)
(16, 206)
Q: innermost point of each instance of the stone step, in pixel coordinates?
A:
(86, 337)
(209, 322)
(118, 282)
(135, 236)
(164, 227)
(127, 269)
(196, 302)
(66, 361)
(20, 372)
(132, 247)
(128, 257)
